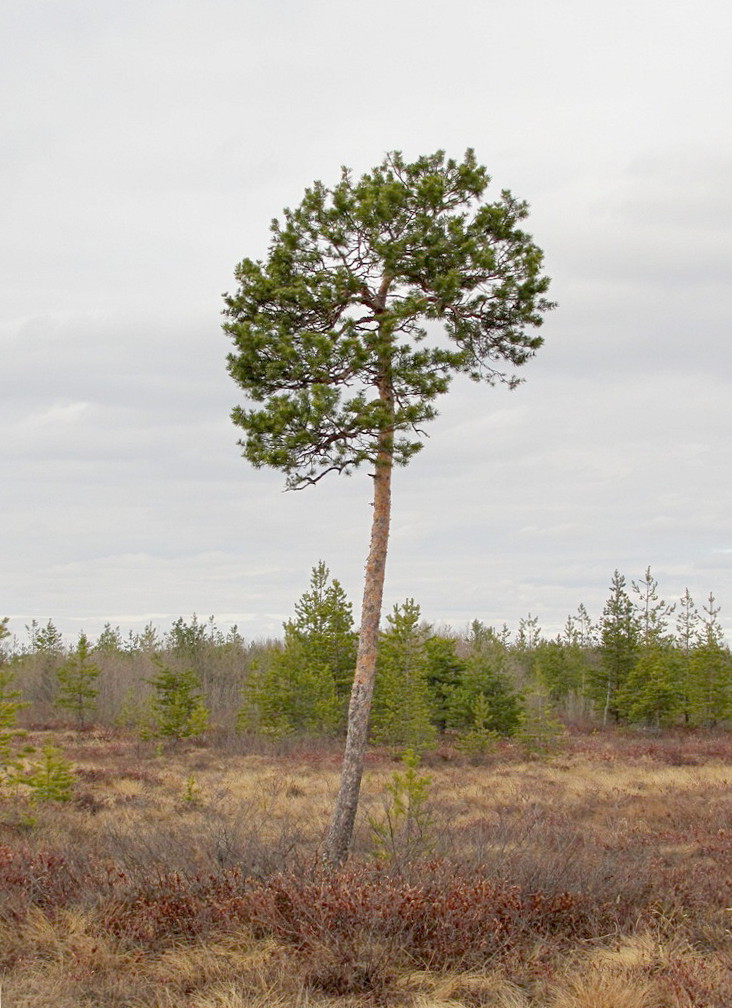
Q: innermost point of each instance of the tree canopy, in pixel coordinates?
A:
(340, 312)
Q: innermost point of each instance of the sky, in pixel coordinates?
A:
(146, 147)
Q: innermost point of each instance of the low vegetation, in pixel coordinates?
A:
(597, 877)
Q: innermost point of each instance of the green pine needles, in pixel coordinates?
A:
(303, 687)
(355, 279)
(51, 778)
(403, 834)
(402, 710)
(177, 707)
(77, 676)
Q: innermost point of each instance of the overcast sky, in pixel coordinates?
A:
(147, 144)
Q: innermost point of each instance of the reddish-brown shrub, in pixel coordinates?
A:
(42, 878)
(441, 917)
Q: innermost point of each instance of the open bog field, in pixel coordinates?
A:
(600, 877)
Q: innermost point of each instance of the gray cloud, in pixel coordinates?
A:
(149, 145)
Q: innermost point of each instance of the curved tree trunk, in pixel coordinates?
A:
(338, 838)
(340, 831)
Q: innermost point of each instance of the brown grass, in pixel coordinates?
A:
(598, 878)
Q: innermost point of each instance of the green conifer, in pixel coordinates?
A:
(303, 686)
(652, 691)
(710, 671)
(486, 673)
(618, 650)
(52, 779)
(401, 712)
(177, 707)
(76, 677)
(445, 669)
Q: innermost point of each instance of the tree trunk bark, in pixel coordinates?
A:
(338, 838)
(340, 831)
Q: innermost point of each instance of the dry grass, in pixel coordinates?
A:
(631, 837)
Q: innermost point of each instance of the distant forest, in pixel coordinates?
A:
(642, 662)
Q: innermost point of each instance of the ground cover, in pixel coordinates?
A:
(598, 877)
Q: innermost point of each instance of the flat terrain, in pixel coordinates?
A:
(597, 877)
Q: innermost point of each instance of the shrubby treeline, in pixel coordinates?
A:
(643, 661)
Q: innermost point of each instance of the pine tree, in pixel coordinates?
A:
(76, 678)
(540, 731)
(109, 641)
(653, 689)
(477, 738)
(618, 649)
(528, 637)
(529, 633)
(303, 686)
(46, 651)
(559, 667)
(324, 624)
(651, 612)
(584, 628)
(190, 642)
(486, 674)
(51, 779)
(687, 623)
(148, 640)
(445, 670)
(177, 707)
(710, 671)
(332, 348)
(401, 709)
(289, 692)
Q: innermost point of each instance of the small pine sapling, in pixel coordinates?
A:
(479, 738)
(52, 779)
(540, 732)
(404, 832)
